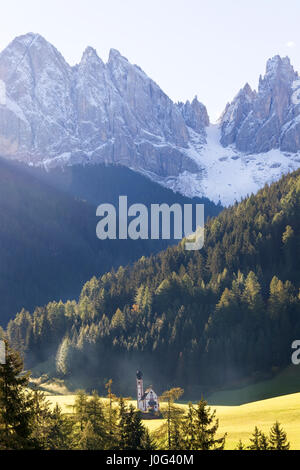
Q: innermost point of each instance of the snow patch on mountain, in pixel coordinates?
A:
(226, 175)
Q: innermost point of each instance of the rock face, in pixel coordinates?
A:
(52, 114)
(111, 112)
(268, 119)
(195, 115)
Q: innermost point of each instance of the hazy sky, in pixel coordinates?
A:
(208, 48)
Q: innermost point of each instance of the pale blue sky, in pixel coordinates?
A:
(208, 48)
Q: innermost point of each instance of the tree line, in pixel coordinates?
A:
(28, 422)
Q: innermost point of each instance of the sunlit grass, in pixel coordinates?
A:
(237, 421)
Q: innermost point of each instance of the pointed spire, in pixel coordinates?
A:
(90, 54)
(279, 66)
(114, 54)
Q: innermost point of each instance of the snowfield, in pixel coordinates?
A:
(227, 175)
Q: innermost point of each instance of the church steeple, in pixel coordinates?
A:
(139, 389)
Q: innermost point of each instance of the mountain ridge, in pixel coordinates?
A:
(55, 114)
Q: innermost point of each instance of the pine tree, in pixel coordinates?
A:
(147, 441)
(15, 404)
(278, 438)
(171, 412)
(206, 426)
(59, 432)
(63, 357)
(189, 430)
(240, 446)
(252, 293)
(40, 418)
(80, 409)
(255, 440)
(95, 415)
(134, 429)
(263, 442)
(122, 426)
(88, 439)
(132, 433)
(111, 416)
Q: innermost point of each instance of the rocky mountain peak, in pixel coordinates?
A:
(195, 115)
(90, 54)
(247, 91)
(93, 111)
(279, 66)
(235, 113)
(116, 56)
(278, 70)
(54, 114)
(258, 122)
(28, 40)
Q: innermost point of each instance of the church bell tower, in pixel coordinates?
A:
(139, 390)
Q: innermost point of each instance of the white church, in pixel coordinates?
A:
(148, 400)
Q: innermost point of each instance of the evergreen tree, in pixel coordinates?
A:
(206, 426)
(60, 429)
(135, 429)
(80, 409)
(263, 442)
(88, 439)
(16, 410)
(171, 414)
(240, 446)
(278, 438)
(122, 425)
(189, 428)
(111, 416)
(40, 418)
(95, 415)
(63, 357)
(255, 440)
(132, 433)
(147, 442)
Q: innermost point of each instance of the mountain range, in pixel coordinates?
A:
(53, 114)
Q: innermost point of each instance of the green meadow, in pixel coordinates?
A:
(237, 421)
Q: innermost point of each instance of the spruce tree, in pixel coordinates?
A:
(15, 404)
(135, 429)
(263, 442)
(122, 426)
(278, 438)
(80, 409)
(88, 439)
(240, 446)
(206, 426)
(132, 433)
(95, 415)
(171, 413)
(189, 429)
(59, 432)
(255, 440)
(147, 441)
(40, 418)
(111, 414)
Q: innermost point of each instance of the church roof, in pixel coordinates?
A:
(147, 391)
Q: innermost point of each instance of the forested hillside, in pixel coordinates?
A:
(200, 320)
(48, 243)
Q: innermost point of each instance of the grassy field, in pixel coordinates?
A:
(237, 421)
(284, 383)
